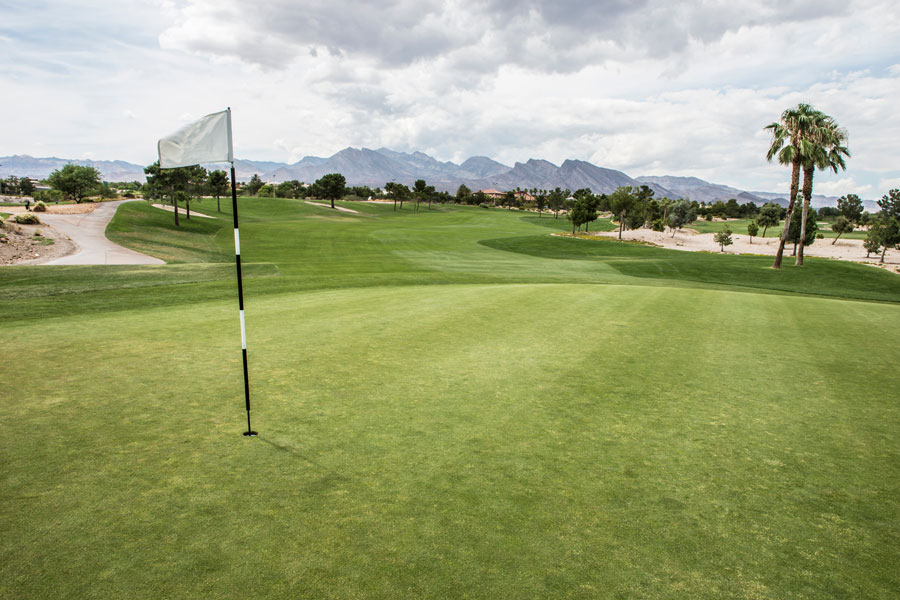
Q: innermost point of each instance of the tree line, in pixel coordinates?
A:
(804, 138)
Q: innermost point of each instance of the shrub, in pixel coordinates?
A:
(39, 206)
(27, 218)
(658, 225)
(484, 205)
(819, 236)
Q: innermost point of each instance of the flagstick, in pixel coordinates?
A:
(237, 258)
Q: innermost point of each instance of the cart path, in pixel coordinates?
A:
(88, 231)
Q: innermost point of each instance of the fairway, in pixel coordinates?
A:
(451, 404)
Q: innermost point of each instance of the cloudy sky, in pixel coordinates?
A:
(650, 87)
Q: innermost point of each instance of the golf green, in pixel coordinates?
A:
(451, 403)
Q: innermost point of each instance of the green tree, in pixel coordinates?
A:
(886, 232)
(419, 189)
(75, 181)
(105, 191)
(10, 185)
(196, 182)
(462, 194)
(331, 187)
(556, 199)
(732, 208)
(841, 226)
(540, 201)
(681, 214)
(252, 187)
(851, 207)
(218, 185)
(792, 137)
(826, 151)
(285, 189)
(166, 183)
(398, 192)
(890, 204)
(871, 243)
(510, 200)
(582, 213)
(26, 186)
(621, 202)
(723, 238)
(769, 216)
(752, 230)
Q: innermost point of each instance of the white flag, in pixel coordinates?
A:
(207, 140)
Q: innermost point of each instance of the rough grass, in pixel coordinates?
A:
(450, 404)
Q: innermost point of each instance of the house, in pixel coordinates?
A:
(524, 197)
(492, 194)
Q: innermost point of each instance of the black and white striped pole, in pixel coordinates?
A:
(237, 259)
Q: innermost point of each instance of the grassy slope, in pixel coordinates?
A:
(516, 434)
(739, 226)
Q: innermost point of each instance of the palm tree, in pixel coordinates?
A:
(791, 139)
(828, 152)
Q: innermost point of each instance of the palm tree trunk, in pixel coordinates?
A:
(795, 184)
(808, 172)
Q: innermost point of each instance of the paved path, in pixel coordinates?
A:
(88, 231)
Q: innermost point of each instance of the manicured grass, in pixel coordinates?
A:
(739, 227)
(450, 404)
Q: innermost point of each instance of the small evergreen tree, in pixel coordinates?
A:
(723, 238)
(752, 230)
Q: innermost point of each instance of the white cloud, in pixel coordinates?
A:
(888, 184)
(842, 187)
(649, 88)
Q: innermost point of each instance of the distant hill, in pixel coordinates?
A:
(701, 191)
(22, 165)
(704, 191)
(363, 166)
(376, 167)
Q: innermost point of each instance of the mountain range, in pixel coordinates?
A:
(363, 166)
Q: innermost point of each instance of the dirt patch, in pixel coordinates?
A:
(32, 244)
(56, 209)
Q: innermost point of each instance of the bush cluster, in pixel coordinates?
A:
(40, 206)
(27, 218)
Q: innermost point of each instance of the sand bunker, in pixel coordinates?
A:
(690, 240)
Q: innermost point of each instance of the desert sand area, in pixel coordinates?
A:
(691, 241)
